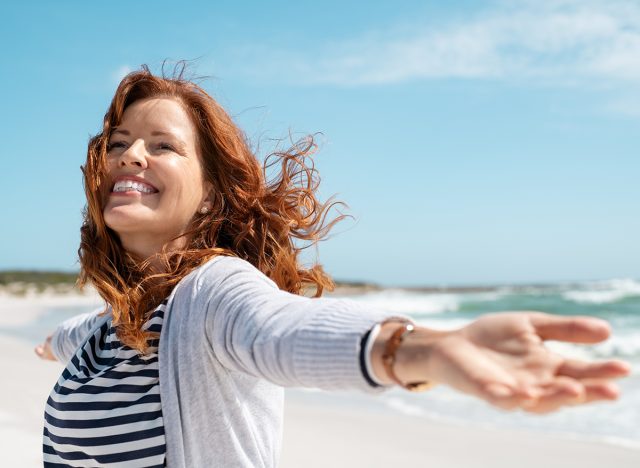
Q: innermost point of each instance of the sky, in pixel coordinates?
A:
(474, 142)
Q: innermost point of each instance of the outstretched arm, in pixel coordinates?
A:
(501, 358)
(65, 339)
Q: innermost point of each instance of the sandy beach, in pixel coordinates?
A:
(321, 429)
(324, 431)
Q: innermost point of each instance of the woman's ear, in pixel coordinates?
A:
(205, 207)
(209, 199)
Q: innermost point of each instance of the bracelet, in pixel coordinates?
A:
(389, 356)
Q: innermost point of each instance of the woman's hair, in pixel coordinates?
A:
(262, 221)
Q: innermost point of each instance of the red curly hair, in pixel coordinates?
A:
(258, 220)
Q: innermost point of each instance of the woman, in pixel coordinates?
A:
(183, 234)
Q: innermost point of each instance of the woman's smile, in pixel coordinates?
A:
(129, 185)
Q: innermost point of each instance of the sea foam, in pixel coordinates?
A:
(399, 301)
(604, 292)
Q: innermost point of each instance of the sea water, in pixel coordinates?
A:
(616, 300)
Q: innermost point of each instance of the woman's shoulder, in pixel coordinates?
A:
(223, 267)
(223, 272)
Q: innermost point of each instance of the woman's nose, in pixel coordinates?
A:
(135, 155)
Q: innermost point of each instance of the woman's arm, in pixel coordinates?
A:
(290, 340)
(255, 328)
(501, 358)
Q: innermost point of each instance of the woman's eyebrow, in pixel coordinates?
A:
(160, 132)
(154, 133)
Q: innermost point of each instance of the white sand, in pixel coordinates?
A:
(321, 429)
(27, 381)
(18, 311)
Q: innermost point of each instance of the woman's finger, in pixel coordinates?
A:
(562, 391)
(576, 329)
(583, 370)
(564, 394)
(601, 389)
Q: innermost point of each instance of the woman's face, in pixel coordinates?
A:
(155, 175)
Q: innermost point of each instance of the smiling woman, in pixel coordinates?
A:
(206, 195)
(195, 254)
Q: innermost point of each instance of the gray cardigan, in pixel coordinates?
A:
(230, 341)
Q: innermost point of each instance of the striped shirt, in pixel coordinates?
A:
(105, 408)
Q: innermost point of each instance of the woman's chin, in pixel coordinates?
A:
(125, 219)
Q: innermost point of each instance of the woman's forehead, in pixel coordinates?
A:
(156, 115)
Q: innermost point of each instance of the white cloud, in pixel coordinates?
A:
(555, 41)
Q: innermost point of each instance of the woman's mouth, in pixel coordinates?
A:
(132, 186)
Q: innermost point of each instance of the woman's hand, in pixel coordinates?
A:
(501, 358)
(44, 350)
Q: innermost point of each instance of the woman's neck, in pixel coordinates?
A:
(150, 248)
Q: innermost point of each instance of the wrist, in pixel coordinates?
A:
(413, 357)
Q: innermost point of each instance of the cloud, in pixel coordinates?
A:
(552, 41)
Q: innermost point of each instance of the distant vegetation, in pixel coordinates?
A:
(37, 277)
(23, 283)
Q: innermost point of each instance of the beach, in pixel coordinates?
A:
(322, 429)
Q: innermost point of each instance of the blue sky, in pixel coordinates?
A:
(475, 142)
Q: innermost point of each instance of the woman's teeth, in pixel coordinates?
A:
(127, 185)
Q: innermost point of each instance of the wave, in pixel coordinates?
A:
(416, 304)
(604, 292)
(419, 304)
(625, 346)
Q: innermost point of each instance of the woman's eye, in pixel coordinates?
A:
(166, 146)
(115, 144)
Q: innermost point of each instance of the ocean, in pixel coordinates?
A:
(615, 300)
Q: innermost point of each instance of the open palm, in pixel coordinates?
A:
(502, 359)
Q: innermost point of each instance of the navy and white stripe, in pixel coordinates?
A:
(105, 408)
